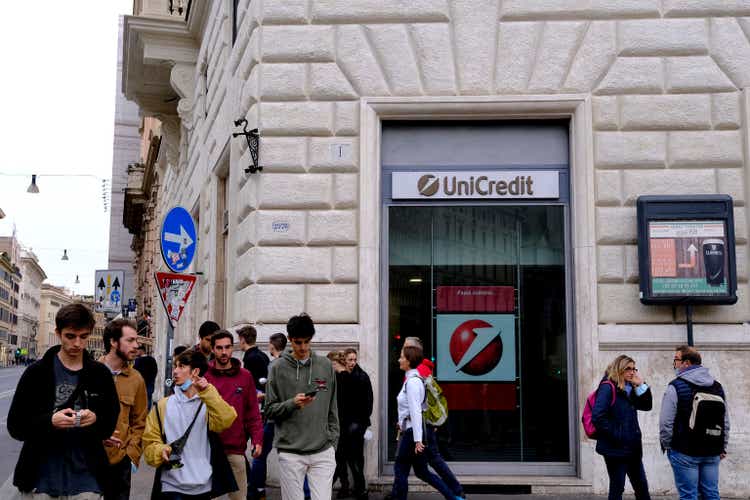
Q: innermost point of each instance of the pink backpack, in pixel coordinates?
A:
(586, 418)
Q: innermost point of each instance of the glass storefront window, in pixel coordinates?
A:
(494, 276)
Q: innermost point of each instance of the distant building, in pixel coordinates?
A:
(10, 277)
(29, 309)
(95, 344)
(52, 299)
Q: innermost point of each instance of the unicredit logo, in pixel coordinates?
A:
(476, 347)
(483, 185)
(428, 185)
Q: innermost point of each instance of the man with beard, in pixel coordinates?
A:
(236, 387)
(124, 446)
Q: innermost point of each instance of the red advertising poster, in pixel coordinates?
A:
(493, 397)
(484, 299)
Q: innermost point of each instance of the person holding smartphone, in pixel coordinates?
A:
(178, 441)
(301, 400)
(64, 406)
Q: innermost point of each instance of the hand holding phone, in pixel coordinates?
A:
(312, 393)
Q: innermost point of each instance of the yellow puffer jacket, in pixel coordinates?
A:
(220, 417)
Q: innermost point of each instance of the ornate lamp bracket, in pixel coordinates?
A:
(253, 144)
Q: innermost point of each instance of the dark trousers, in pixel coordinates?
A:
(256, 475)
(171, 495)
(117, 486)
(406, 458)
(618, 468)
(341, 453)
(435, 459)
(351, 454)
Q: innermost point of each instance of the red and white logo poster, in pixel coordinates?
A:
(476, 347)
(174, 290)
(484, 299)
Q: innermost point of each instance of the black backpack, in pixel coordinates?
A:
(700, 430)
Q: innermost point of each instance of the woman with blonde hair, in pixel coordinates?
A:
(621, 393)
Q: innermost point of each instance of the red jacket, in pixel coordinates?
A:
(237, 388)
(425, 368)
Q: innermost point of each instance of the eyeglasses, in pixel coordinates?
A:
(631, 369)
(676, 361)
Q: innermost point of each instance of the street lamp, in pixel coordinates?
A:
(33, 188)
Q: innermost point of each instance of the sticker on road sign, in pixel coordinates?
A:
(108, 290)
(174, 290)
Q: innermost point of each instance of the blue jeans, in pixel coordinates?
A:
(695, 474)
(632, 467)
(436, 461)
(405, 459)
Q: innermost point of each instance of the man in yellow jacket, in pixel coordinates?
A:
(180, 438)
(124, 446)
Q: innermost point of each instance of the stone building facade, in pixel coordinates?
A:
(29, 310)
(126, 146)
(635, 98)
(52, 299)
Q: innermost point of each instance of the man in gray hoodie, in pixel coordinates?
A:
(694, 426)
(301, 400)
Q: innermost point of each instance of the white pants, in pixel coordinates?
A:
(319, 468)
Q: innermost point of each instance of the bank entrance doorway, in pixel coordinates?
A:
(484, 282)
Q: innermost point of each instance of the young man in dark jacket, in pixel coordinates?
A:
(253, 360)
(355, 419)
(236, 387)
(301, 400)
(64, 406)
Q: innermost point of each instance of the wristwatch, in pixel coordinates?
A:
(77, 422)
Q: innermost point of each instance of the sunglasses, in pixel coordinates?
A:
(631, 369)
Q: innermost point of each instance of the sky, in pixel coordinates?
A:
(57, 99)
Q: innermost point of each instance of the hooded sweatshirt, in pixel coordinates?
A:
(313, 428)
(697, 375)
(237, 388)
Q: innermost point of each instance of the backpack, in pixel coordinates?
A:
(436, 412)
(588, 410)
(704, 433)
(437, 406)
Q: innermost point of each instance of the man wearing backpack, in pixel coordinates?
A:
(431, 451)
(694, 426)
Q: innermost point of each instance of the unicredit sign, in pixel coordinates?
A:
(491, 184)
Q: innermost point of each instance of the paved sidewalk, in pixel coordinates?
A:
(143, 480)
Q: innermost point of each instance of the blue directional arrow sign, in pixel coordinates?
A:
(178, 238)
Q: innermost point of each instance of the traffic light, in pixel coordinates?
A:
(18, 353)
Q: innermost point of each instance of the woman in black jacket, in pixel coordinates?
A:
(616, 421)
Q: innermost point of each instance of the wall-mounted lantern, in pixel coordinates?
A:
(253, 144)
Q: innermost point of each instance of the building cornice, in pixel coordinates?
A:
(151, 47)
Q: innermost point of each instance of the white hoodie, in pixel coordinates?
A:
(194, 477)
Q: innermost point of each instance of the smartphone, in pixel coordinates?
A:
(311, 394)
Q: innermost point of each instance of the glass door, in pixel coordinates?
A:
(484, 288)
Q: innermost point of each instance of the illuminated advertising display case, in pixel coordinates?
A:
(686, 250)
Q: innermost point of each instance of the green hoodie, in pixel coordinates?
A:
(313, 428)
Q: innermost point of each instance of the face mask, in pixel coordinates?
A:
(676, 371)
(185, 385)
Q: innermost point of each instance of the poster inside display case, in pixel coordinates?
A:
(686, 250)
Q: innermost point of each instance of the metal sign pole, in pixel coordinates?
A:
(168, 358)
(689, 322)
